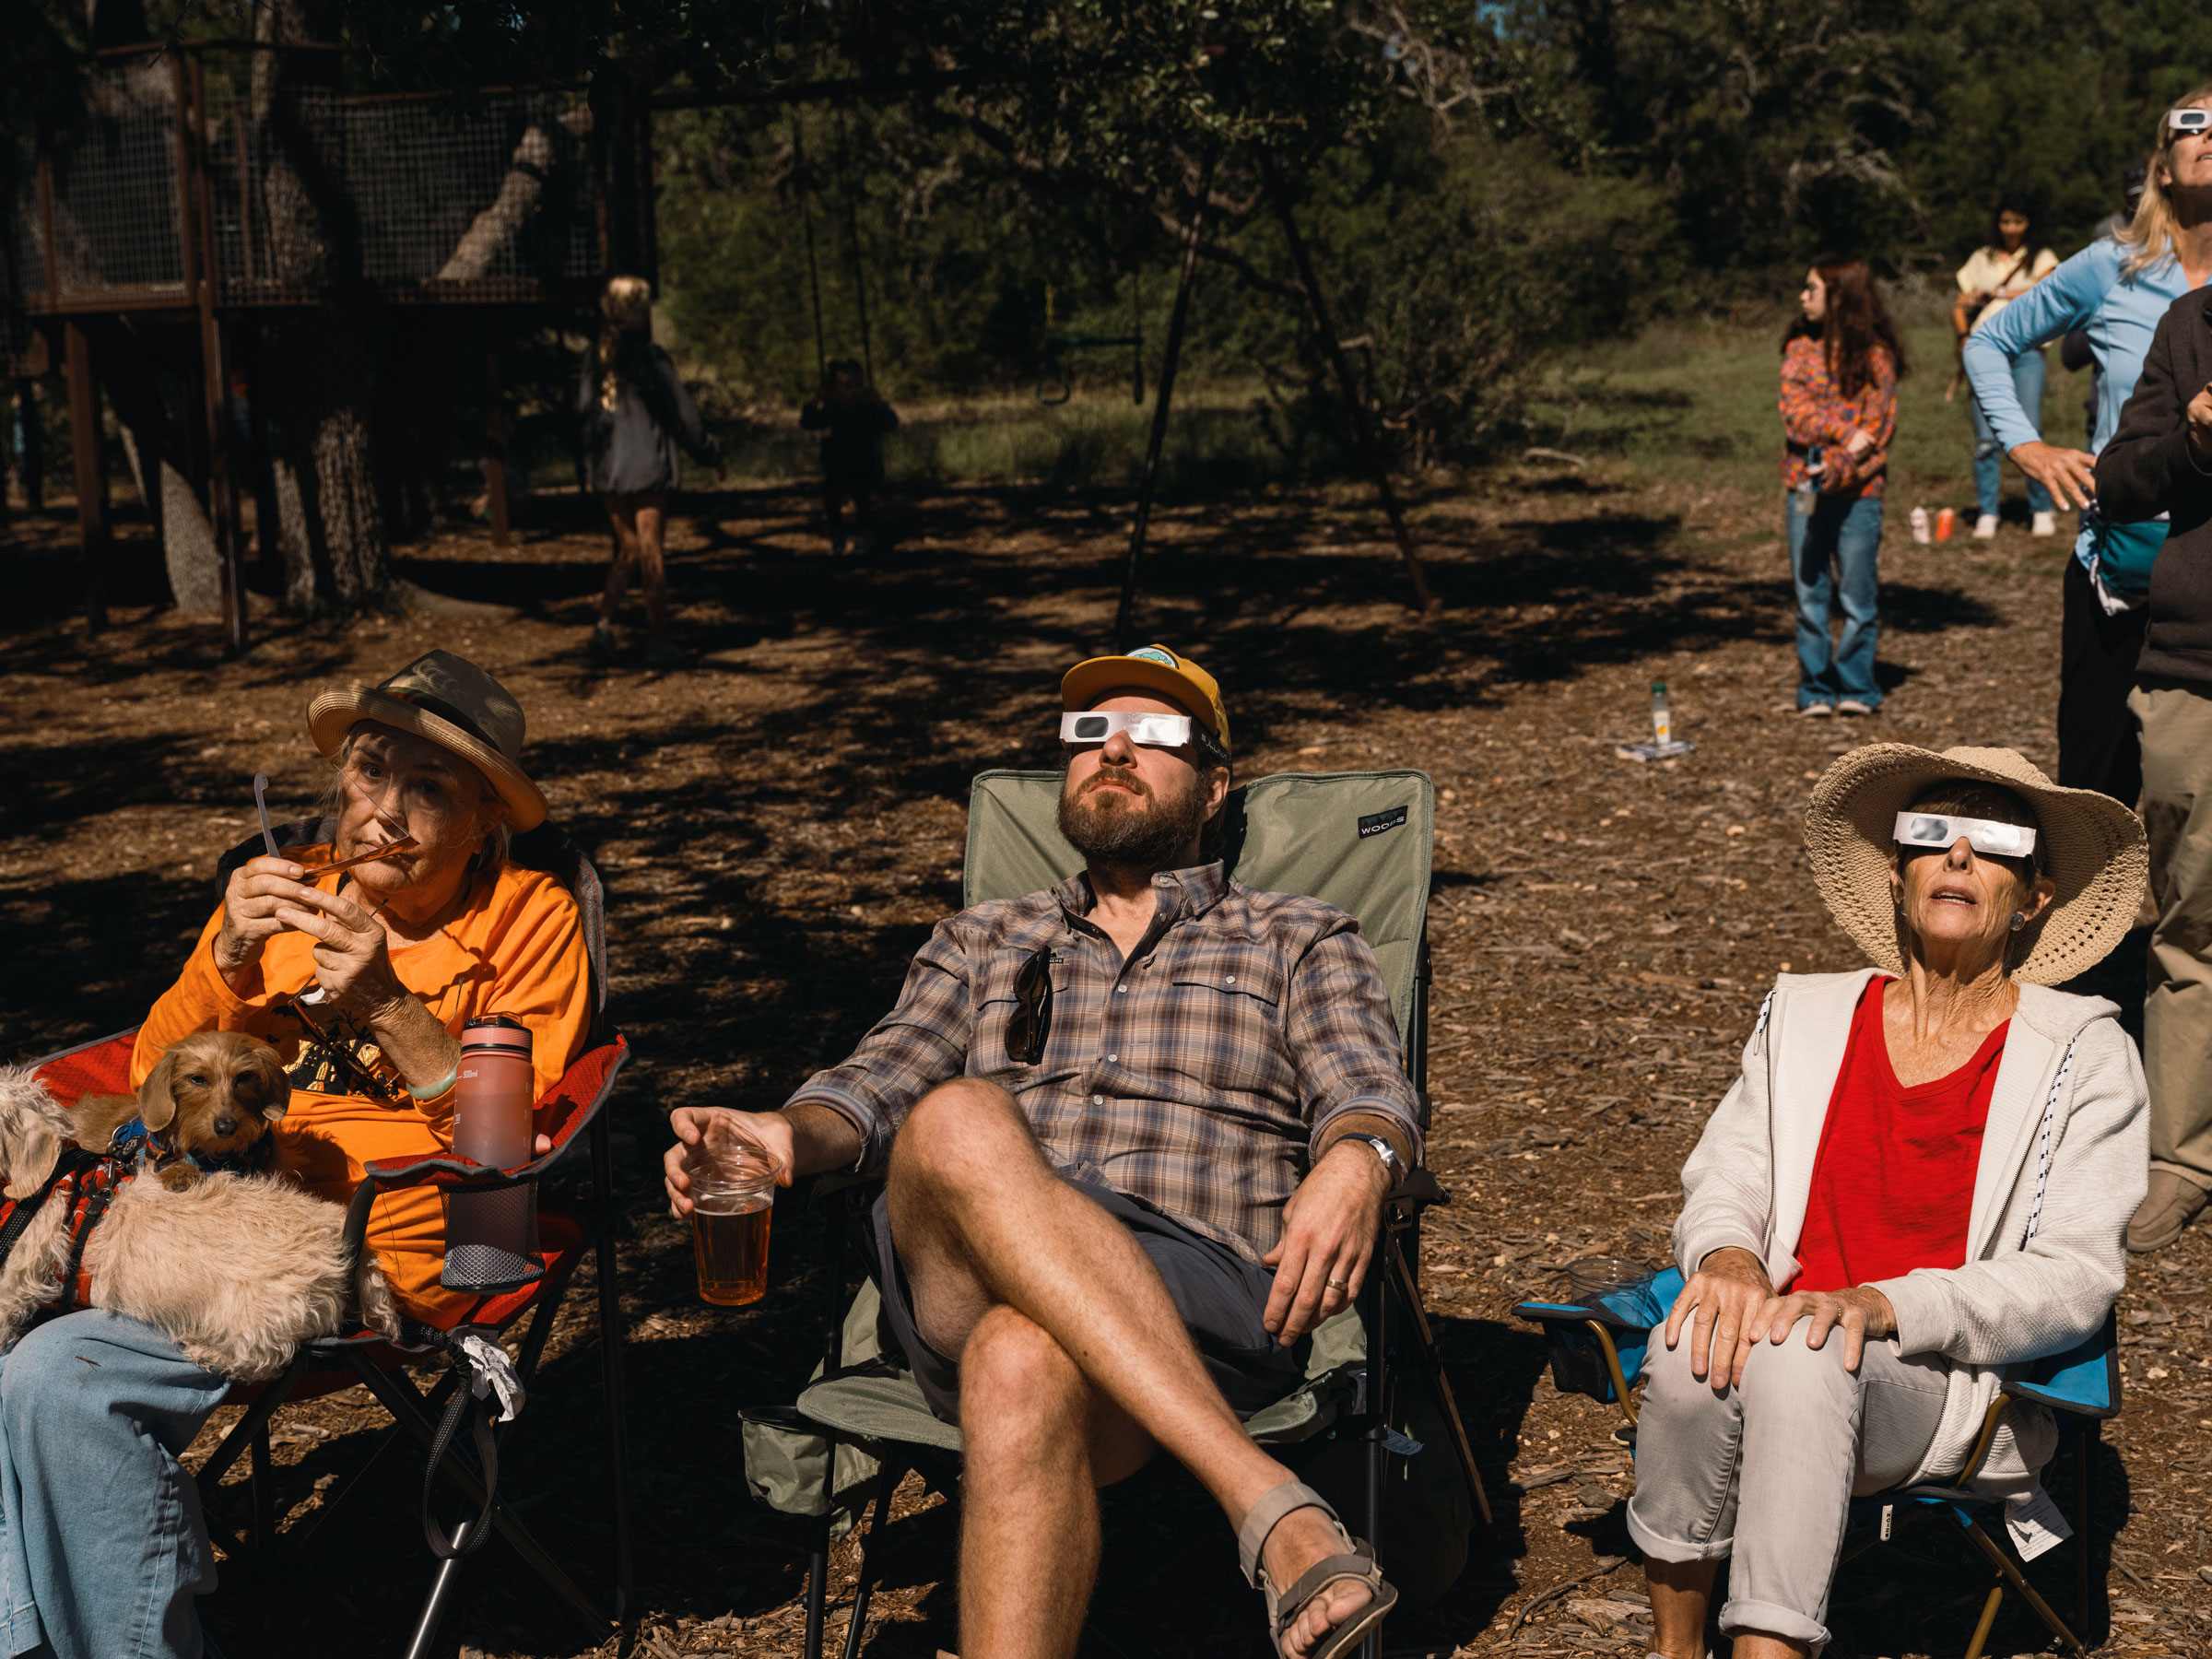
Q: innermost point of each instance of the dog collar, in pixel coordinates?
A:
(141, 1146)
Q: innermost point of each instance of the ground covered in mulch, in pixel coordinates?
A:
(779, 824)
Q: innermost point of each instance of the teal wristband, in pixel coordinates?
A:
(441, 1087)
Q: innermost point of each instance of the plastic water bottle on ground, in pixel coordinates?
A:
(1920, 525)
(1664, 744)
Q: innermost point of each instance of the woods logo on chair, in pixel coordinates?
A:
(238, 1267)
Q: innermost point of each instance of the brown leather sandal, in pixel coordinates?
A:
(1355, 1563)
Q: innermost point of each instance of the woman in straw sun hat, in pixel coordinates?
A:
(1921, 1176)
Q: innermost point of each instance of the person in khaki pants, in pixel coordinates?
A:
(2160, 461)
(2177, 1014)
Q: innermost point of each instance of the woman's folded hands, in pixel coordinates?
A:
(1729, 1307)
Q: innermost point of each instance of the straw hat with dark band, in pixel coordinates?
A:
(2088, 843)
(450, 701)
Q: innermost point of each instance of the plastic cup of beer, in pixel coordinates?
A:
(733, 1181)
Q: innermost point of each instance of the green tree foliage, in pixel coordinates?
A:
(1775, 128)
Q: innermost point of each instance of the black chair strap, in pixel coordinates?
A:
(469, 1536)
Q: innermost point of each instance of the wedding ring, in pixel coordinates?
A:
(1340, 1284)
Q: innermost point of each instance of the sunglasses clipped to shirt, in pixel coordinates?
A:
(1986, 835)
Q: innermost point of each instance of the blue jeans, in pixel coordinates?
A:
(1848, 536)
(103, 1549)
(2028, 372)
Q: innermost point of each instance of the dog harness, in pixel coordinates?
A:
(86, 1183)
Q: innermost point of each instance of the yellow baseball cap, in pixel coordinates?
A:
(1149, 668)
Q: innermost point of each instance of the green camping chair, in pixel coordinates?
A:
(1374, 1419)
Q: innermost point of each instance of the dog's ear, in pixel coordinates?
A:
(276, 1087)
(32, 1160)
(156, 1103)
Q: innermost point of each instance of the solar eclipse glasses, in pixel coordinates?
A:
(1987, 837)
(2190, 120)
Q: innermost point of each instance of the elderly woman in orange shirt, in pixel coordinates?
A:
(362, 979)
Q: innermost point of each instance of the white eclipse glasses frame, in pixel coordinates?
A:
(2189, 119)
(1942, 829)
(1153, 731)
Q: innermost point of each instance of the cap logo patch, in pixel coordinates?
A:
(1155, 653)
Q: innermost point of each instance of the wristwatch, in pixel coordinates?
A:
(1393, 1165)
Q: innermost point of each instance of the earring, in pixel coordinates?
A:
(2019, 920)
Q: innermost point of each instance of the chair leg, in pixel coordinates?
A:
(399, 1397)
(886, 1484)
(618, 1433)
(2085, 1514)
(2009, 1575)
(263, 1493)
(441, 1590)
(818, 1586)
(1988, 1619)
(1376, 1317)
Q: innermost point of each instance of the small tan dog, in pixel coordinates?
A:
(207, 1105)
(236, 1270)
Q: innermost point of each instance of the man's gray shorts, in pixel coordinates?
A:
(1219, 1294)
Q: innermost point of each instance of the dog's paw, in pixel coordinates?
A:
(179, 1178)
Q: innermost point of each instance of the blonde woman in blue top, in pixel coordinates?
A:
(2116, 290)
(2145, 739)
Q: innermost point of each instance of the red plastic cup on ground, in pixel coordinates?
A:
(1946, 521)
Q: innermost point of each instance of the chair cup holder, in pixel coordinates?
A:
(491, 1240)
(1578, 1364)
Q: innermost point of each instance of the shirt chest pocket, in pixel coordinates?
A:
(1223, 1018)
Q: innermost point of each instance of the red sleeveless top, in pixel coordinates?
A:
(1893, 1184)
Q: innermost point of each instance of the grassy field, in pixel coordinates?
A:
(1690, 400)
(1217, 437)
(1701, 397)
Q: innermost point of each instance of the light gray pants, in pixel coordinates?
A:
(1766, 1472)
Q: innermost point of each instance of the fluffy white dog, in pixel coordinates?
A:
(236, 1270)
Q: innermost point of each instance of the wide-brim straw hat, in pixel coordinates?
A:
(448, 701)
(2088, 845)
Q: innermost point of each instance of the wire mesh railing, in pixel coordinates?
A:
(248, 168)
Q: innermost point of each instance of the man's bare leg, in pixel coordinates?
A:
(982, 1221)
(1040, 1441)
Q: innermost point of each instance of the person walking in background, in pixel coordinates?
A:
(2159, 463)
(2117, 288)
(1840, 362)
(853, 419)
(634, 412)
(1993, 278)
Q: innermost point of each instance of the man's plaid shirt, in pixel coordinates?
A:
(1197, 1076)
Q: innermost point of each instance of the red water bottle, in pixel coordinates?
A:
(491, 1237)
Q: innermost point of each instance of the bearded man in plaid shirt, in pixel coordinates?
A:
(1136, 1133)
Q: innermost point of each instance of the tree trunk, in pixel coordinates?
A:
(160, 454)
(330, 535)
(188, 550)
(328, 527)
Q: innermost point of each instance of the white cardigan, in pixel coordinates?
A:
(1751, 1178)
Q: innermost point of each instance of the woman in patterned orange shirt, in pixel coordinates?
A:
(1840, 362)
(363, 980)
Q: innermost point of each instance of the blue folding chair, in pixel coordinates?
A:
(1597, 1349)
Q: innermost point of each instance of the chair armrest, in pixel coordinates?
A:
(453, 1172)
(2085, 1380)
